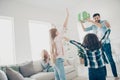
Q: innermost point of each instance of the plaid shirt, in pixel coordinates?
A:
(93, 59)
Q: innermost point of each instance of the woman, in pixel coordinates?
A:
(57, 52)
(46, 61)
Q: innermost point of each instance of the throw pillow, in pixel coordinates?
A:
(13, 75)
(3, 76)
(14, 67)
(27, 69)
(37, 66)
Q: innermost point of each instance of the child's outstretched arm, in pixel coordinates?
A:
(77, 44)
(81, 48)
(66, 19)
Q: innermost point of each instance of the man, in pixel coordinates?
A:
(99, 27)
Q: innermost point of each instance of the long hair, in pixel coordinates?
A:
(43, 55)
(91, 42)
(53, 47)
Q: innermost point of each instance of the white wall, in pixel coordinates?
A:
(54, 12)
(22, 13)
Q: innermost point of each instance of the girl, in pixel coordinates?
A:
(94, 56)
(46, 62)
(57, 52)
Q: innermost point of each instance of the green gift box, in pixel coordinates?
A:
(79, 17)
(83, 16)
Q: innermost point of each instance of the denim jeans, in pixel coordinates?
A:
(59, 69)
(107, 49)
(97, 74)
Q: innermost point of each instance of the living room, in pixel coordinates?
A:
(27, 23)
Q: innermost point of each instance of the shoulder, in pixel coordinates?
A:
(103, 21)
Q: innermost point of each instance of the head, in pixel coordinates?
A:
(91, 42)
(96, 17)
(45, 54)
(53, 33)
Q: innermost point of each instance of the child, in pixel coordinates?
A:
(46, 62)
(57, 52)
(94, 56)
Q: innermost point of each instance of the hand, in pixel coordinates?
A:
(81, 21)
(67, 11)
(89, 20)
(66, 39)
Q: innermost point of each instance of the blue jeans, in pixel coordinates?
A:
(59, 69)
(107, 49)
(97, 74)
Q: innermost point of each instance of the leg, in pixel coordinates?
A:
(107, 49)
(101, 74)
(60, 68)
(92, 75)
(56, 73)
(105, 71)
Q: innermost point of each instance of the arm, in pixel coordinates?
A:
(44, 64)
(66, 19)
(95, 23)
(107, 24)
(77, 44)
(85, 29)
(81, 51)
(106, 35)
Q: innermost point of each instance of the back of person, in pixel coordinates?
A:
(96, 58)
(59, 46)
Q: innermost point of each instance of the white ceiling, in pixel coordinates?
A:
(75, 5)
(72, 4)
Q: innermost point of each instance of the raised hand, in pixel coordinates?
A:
(81, 21)
(89, 20)
(66, 19)
(66, 39)
(67, 11)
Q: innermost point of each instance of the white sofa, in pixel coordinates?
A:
(33, 71)
(69, 70)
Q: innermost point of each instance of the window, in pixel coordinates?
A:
(39, 37)
(7, 51)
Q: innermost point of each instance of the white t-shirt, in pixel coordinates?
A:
(59, 45)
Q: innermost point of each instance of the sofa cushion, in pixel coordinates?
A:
(3, 76)
(27, 69)
(14, 67)
(43, 76)
(37, 66)
(28, 79)
(13, 75)
(69, 69)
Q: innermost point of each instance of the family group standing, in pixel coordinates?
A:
(96, 49)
